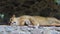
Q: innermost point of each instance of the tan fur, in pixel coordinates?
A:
(38, 20)
(45, 20)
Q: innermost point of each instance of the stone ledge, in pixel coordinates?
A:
(4, 29)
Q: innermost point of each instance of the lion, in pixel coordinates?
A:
(33, 20)
(21, 21)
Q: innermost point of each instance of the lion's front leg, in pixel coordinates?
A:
(35, 23)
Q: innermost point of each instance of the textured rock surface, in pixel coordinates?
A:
(28, 30)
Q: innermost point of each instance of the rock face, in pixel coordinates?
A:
(28, 30)
(29, 7)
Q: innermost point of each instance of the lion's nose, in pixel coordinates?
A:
(13, 23)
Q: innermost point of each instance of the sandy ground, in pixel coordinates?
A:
(28, 30)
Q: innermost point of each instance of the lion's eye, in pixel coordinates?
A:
(14, 22)
(11, 19)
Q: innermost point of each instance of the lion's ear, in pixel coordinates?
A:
(14, 16)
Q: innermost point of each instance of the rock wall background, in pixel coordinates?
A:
(29, 7)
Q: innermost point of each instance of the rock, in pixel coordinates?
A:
(28, 30)
(36, 31)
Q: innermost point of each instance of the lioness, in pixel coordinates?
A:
(33, 20)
